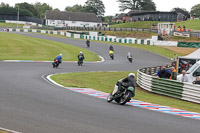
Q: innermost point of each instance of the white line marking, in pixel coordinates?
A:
(7, 130)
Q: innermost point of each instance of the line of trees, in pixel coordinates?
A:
(92, 6)
(33, 10)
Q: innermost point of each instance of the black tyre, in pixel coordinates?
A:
(125, 98)
(110, 98)
(117, 100)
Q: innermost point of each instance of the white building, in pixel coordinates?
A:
(77, 19)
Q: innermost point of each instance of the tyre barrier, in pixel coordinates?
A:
(171, 88)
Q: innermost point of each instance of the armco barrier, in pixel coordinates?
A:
(171, 88)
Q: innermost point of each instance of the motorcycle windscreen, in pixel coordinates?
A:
(115, 90)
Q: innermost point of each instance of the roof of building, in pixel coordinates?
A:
(72, 16)
(134, 13)
(120, 16)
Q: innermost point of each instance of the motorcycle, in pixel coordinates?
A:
(111, 56)
(88, 43)
(80, 62)
(55, 64)
(130, 59)
(123, 95)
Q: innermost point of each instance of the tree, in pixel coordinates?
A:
(96, 6)
(28, 7)
(75, 8)
(137, 5)
(107, 19)
(181, 10)
(7, 9)
(195, 11)
(56, 9)
(41, 9)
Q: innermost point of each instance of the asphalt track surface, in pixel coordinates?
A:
(29, 104)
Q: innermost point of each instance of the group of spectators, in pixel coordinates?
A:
(171, 74)
(167, 74)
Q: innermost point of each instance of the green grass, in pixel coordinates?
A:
(10, 25)
(133, 34)
(3, 132)
(105, 81)
(139, 25)
(190, 24)
(18, 47)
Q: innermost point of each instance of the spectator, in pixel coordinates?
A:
(184, 76)
(163, 73)
(197, 81)
(184, 28)
(173, 74)
(167, 66)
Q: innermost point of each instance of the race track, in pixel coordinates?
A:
(29, 104)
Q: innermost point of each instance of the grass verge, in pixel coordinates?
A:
(105, 81)
(190, 24)
(18, 47)
(10, 25)
(133, 34)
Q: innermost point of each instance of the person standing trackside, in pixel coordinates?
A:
(163, 73)
(173, 74)
(184, 77)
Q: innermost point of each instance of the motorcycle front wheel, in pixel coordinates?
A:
(109, 98)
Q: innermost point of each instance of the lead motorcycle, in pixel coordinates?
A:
(123, 95)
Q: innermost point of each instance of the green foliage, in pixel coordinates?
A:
(137, 5)
(7, 9)
(97, 6)
(196, 10)
(34, 10)
(107, 19)
(78, 8)
(28, 7)
(41, 9)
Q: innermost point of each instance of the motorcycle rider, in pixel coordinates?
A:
(81, 57)
(59, 58)
(129, 57)
(111, 48)
(88, 43)
(130, 80)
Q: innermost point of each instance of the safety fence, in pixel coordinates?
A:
(171, 88)
(109, 29)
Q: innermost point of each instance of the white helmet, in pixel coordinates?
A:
(60, 54)
(131, 74)
(81, 52)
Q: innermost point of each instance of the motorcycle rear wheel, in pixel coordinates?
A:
(125, 98)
